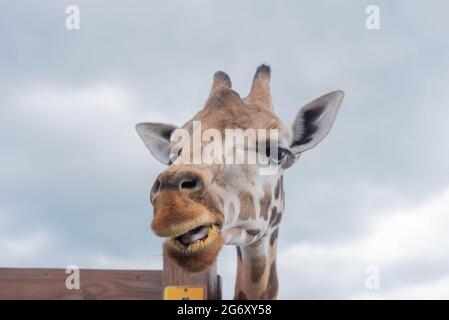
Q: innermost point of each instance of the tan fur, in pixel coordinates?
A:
(260, 90)
(271, 290)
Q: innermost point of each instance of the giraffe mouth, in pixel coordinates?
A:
(196, 238)
(198, 234)
(196, 249)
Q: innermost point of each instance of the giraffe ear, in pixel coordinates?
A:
(156, 137)
(314, 121)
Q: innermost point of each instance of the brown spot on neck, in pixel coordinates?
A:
(281, 187)
(277, 189)
(247, 209)
(241, 296)
(275, 218)
(257, 268)
(274, 236)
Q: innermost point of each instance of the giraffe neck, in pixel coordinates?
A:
(256, 263)
(256, 269)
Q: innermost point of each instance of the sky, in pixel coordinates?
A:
(374, 195)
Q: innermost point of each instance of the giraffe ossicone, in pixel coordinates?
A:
(220, 191)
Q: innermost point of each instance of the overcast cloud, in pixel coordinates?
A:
(75, 179)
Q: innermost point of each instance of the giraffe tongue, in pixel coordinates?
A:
(194, 235)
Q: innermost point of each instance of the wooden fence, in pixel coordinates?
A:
(32, 284)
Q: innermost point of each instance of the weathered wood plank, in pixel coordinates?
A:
(32, 284)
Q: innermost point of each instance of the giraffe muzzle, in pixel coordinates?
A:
(190, 225)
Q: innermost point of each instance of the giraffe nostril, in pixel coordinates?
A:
(189, 184)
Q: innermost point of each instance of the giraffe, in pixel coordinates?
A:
(200, 207)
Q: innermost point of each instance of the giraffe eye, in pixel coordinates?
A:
(276, 158)
(281, 155)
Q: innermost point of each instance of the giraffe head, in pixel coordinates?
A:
(201, 205)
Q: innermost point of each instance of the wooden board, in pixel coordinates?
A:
(172, 275)
(32, 284)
